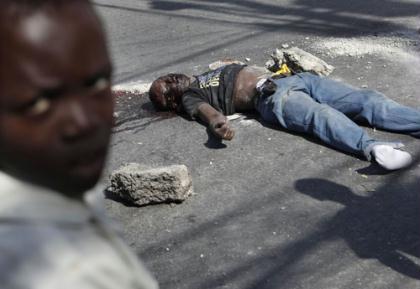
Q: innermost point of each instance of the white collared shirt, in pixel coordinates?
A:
(48, 241)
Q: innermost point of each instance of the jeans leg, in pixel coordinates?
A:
(364, 105)
(301, 113)
(384, 113)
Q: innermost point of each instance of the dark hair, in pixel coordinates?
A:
(157, 99)
(174, 85)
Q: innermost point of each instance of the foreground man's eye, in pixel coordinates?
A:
(101, 83)
(97, 82)
(40, 106)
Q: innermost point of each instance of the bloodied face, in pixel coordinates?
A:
(55, 98)
(166, 91)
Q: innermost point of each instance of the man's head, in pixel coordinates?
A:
(55, 98)
(166, 91)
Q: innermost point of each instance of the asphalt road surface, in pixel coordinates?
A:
(271, 209)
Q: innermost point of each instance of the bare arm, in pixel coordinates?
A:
(217, 122)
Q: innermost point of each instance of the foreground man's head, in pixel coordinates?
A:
(55, 97)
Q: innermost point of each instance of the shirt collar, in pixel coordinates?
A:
(21, 201)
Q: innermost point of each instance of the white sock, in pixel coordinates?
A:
(391, 158)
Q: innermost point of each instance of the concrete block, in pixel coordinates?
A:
(140, 185)
(299, 60)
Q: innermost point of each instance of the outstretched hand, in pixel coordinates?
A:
(221, 128)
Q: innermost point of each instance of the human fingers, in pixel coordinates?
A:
(222, 131)
(229, 134)
(219, 122)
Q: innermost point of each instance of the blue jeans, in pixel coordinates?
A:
(325, 108)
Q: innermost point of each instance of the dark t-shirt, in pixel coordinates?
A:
(214, 87)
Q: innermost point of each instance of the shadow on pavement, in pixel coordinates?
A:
(318, 17)
(325, 18)
(384, 226)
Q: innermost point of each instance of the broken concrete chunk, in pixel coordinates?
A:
(272, 65)
(299, 60)
(139, 185)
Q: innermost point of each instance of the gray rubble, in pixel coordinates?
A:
(139, 185)
(298, 60)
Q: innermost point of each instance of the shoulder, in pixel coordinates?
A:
(48, 257)
(233, 68)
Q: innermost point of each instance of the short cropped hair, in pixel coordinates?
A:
(157, 99)
(19, 8)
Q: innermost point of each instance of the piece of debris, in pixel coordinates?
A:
(247, 59)
(140, 185)
(299, 60)
(137, 87)
(271, 65)
(285, 46)
(234, 116)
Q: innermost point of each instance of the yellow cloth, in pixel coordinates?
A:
(284, 70)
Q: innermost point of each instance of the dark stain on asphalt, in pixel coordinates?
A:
(130, 107)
